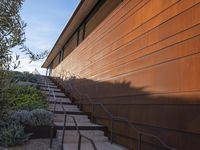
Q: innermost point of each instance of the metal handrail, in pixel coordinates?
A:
(55, 101)
(77, 128)
(112, 118)
(81, 135)
(51, 91)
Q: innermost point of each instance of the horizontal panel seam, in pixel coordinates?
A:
(148, 53)
(147, 125)
(144, 57)
(151, 94)
(141, 34)
(153, 66)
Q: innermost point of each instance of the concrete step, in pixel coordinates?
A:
(46, 85)
(44, 78)
(71, 112)
(43, 81)
(46, 89)
(88, 146)
(74, 138)
(51, 86)
(84, 132)
(57, 94)
(79, 118)
(59, 99)
(57, 102)
(82, 126)
(58, 107)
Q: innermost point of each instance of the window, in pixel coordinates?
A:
(49, 69)
(102, 9)
(61, 55)
(100, 12)
(81, 34)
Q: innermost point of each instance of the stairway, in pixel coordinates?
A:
(86, 127)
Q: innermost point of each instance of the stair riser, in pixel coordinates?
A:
(51, 96)
(51, 87)
(71, 113)
(66, 109)
(71, 121)
(47, 90)
(58, 106)
(75, 139)
(45, 82)
(88, 133)
(76, 116)
(56, 93)
(81, 128)
(64, 103)
(79, 118)
(59, 99)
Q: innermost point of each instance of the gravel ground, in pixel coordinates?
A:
(37, 144)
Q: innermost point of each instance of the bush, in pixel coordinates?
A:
(27, 98)
(21, 116)
(13, 135)
(23, 76)
(37, 117)
(12, 97)
(41, 117)
(6, 82)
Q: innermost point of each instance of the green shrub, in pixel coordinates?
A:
(21, 116)
(6, 83)
(37, 117)
(13, 135)
(27, 98)
(23, 76)
(41, 117)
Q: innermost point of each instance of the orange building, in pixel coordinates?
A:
(141, 59)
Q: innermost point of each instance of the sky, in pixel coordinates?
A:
(45, 21)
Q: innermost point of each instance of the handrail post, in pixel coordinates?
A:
(111, 130)
(92, 113)
(80, 103)
(51, 136)
(79, 142)
(71, 95)
(63, 134)
(54, 107)
(140, 141)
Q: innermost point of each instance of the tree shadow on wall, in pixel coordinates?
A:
(172, 117)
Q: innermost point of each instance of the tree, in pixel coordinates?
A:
(32, 56)
(12, 33)
(11, 28)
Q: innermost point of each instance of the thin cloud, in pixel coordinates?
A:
(45, 20)
(25, 65)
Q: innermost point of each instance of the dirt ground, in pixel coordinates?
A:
(36, 144)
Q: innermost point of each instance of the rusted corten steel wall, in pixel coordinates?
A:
(143, 63)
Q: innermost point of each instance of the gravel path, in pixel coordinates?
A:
(37, 144)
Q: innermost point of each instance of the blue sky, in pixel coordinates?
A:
(45, 21)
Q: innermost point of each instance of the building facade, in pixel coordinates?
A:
(141, 59)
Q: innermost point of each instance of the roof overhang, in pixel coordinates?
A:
(83, 9)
